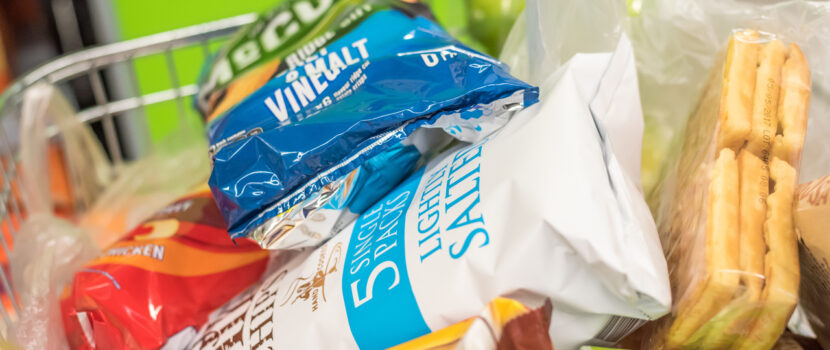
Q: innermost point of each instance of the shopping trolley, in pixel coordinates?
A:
(91, 64)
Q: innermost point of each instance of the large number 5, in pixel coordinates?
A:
(370, 285)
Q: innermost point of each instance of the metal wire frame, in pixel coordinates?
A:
(91, 63)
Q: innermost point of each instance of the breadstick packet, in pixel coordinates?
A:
(724, 206)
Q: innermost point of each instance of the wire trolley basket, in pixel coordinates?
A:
(103, 69)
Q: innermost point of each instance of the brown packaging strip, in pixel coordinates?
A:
(812, 222)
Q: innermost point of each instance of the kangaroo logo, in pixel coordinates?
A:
(314, 287)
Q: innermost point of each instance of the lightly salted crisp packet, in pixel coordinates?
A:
(547, 188)
(304, 142)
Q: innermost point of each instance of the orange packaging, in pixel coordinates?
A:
(161, 281)
(505, 324)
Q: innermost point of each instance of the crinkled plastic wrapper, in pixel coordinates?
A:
(507, 216)
(724, 207)
(299, 143)
(157, 286)
(46, 254)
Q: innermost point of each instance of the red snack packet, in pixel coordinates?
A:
(157, 285)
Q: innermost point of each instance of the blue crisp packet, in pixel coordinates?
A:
(336, 130)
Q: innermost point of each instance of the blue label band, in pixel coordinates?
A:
(380, 305)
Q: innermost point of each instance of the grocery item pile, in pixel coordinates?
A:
(376, 183)
(456, 235)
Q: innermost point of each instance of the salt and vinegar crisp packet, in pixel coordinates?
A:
(284, 38)
(294, 144)
(504, 216)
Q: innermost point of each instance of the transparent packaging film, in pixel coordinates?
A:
(724, 208)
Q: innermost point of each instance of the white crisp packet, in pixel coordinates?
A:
(541, 209)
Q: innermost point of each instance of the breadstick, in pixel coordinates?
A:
(754, 189)
(738, 89)
(780, 293)
(720, 280)
(721, 331)
(794, 102)
(765, 103)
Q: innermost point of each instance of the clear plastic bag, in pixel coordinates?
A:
(84, 173)
(144, 187)
(677, 44)
(47, 253)
(679, 47)
(48, 250)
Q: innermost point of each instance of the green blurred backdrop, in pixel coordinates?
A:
(137, 18)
